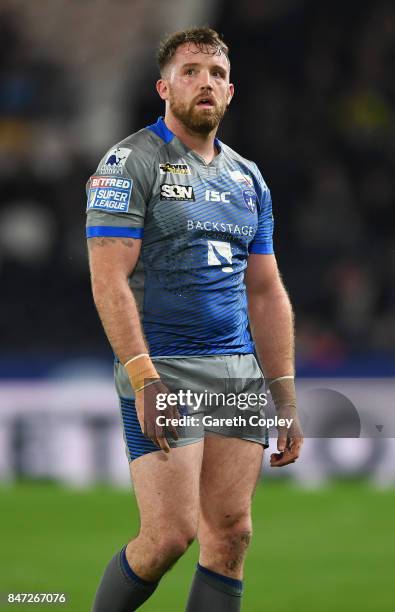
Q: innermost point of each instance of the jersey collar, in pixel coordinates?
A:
(160, 129)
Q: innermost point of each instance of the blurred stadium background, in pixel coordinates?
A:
(314, 107)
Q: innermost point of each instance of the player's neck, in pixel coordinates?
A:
(202, 144)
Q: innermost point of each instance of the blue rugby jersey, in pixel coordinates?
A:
(198, 223)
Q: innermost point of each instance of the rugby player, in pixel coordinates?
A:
(186, 284)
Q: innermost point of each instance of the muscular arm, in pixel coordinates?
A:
(270, 315)
(271, 321)
(111, 262)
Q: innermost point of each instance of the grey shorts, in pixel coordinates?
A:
(220, 394)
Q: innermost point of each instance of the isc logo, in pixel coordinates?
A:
(217, 196)
(176, 192)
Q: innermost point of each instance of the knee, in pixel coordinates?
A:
(171, 544)
(238, 532)
(234, 531)
(174, 546)
(239, 538)
(224, 545)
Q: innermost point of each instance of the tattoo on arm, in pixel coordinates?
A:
(93, 242)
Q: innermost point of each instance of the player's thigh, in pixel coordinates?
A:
(167, 488)
(230, 471)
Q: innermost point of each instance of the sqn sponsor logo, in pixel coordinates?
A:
(109, 194)
(115, 161)
(177, 192)
(174, 169)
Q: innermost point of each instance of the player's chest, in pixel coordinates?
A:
(201, 199)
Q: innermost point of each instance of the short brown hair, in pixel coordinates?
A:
(206, 40)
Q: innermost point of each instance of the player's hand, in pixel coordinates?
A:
(148, 413)
(289, 441)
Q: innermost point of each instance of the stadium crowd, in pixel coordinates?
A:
(314, 107)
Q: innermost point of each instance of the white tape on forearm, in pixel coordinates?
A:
(151, 382)
(279, 378)
(136, 357)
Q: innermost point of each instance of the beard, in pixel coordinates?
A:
(197, 120)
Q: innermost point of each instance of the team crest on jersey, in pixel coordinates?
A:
(250, 199)
(177, 192)
(239, 177)
(115, 161)
(174, 169)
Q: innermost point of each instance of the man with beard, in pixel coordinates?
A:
(186, 284)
